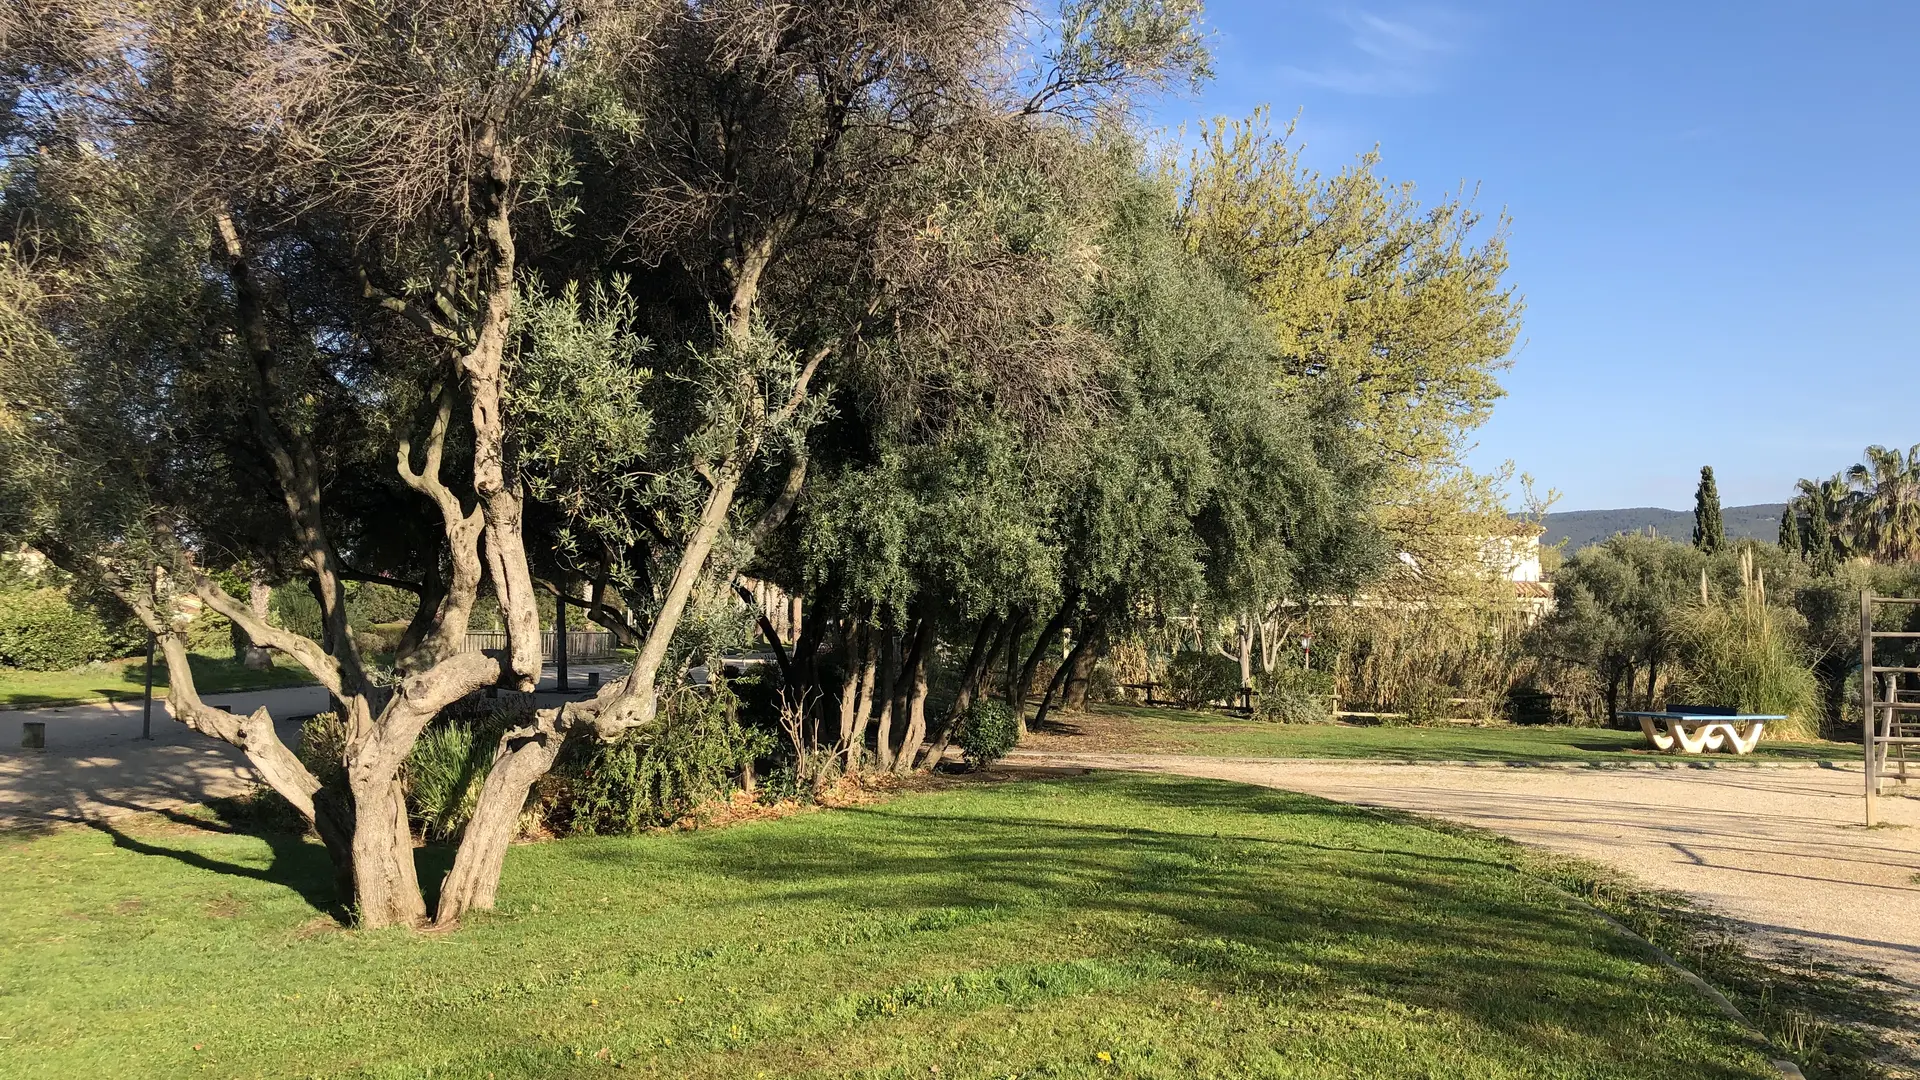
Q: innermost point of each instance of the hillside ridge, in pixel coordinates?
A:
(1579, 528)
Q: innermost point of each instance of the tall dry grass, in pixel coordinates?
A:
(1742, 652)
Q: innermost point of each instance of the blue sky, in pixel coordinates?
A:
(1716, 213)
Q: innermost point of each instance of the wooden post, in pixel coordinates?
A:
(1866, 698)
(146, 708)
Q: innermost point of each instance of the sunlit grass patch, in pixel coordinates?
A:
(1082, 927)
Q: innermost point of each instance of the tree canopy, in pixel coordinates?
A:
(656, 309)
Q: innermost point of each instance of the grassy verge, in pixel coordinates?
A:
(1095, 926)
(121, 679)
(1177, 731)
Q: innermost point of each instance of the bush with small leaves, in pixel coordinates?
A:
(654, 776)
(1290, 694)
(987, 732)
(1196, 678)
(40, 630)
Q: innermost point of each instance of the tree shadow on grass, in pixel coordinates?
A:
(1441, 923)
(295, 862)
(298, 861)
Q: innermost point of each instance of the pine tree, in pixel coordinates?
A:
(1708, 534)
(1790, 541)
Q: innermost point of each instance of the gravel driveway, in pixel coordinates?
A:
(1781, 850)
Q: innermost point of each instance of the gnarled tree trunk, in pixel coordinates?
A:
(883, 724)
(987, 642)
(853, 635)
(869, 665)
(1022, 688)
(386, 885)
(915, 677)
(1079, 666)
(523, 756)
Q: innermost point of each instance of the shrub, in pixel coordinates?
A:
(987, 732)
(653, 777)
(1294, 695)
(294, 608)
(210, 634)
(1421, 704)
(323, 749)
(1529, 705)
(1196, 678)
(377, 638)
(374, 604)
(40, 630)
(446, 768)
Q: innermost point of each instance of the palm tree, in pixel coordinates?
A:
(1888, 502)
(1831, 532)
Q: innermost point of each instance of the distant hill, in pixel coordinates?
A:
(1582, 527)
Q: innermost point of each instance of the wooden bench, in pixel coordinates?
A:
(1698, 729)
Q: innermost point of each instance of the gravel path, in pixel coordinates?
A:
(1781, 850)
(96, 766)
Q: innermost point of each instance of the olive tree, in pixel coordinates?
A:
(267, 237)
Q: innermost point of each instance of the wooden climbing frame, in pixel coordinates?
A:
(1889, 721)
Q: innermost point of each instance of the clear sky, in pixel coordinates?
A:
(1716, 213)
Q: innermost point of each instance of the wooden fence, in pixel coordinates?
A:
(585, 645)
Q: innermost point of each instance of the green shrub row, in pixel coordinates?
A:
(40, 630)
(1195, 678)
(695, 754)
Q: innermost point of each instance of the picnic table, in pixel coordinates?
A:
(1697, 729)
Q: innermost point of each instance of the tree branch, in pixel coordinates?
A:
(304, 650)
(799, 395)
(604, 614)
(410, 312)
(782, 506)
(414, 587)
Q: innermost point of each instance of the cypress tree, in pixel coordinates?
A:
(1708, 534)
(1790, 533)
(1820, 540)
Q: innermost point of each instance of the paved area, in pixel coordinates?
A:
(96, 765)
(1782, 850)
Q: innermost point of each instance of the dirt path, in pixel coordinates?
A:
(1781, 850)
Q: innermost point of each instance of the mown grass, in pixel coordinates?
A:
(1096, 926)
(122, 679)
(1179, 731)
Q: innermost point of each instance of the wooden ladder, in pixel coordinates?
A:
(1890, 715)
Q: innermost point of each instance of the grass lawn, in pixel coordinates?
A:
(1177, 731)
(1094, 926)
(119, 679)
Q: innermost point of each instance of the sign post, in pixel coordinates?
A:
(560, 636)
(146, 711)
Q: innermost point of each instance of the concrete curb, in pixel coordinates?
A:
(1707, 989)
(1091, 759)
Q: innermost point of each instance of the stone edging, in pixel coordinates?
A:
(1083, 758)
